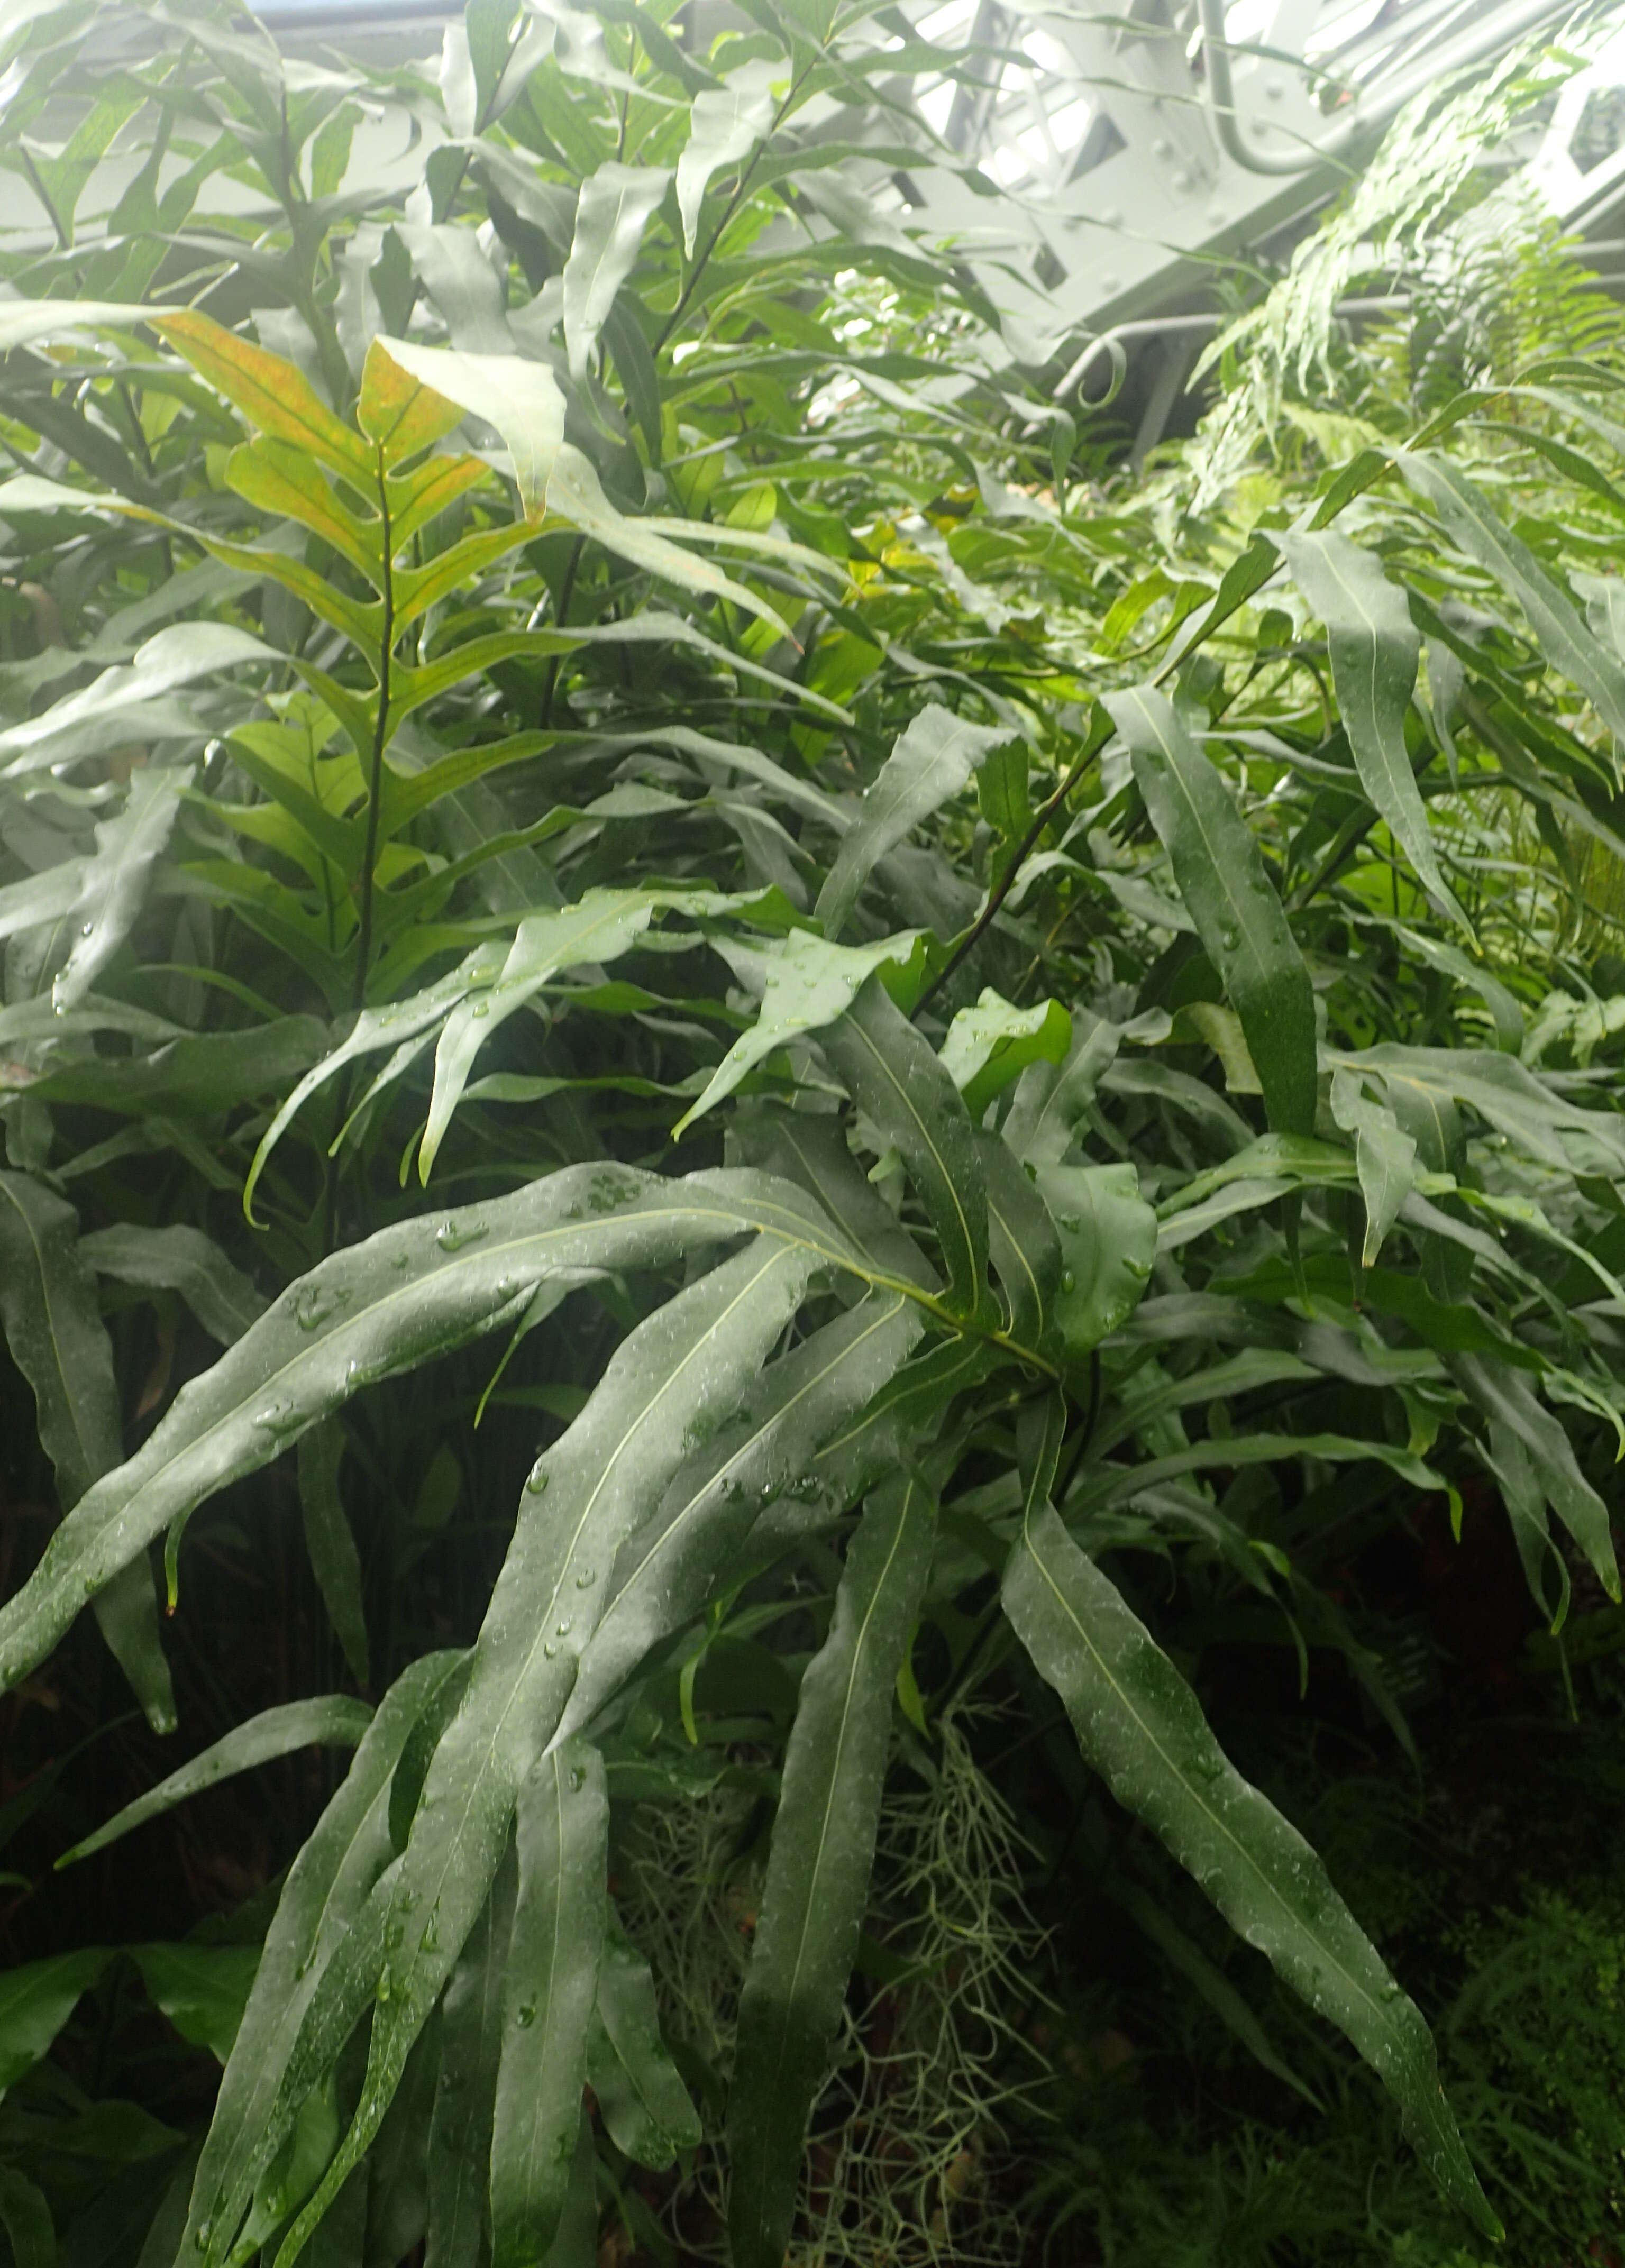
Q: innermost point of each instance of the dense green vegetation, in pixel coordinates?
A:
(811, 1218)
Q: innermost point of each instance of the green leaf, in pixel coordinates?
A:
(397, 1026)
(690, 1546)
(333, 1560)
(897, 1082)
(333, 1720)
(178, 1259)
(992, 1043)
(54, 1331)
(326, 1888)
(115, 877)
(1051, 1102)
(818, 1870)
(1222, 878)
(119, 697)
(928, 763)
(522, 401)
(1535, 1115)
(1565, 640)
(203, 1989)
(1183, 1954)
(805, 982)
(1385, 1156)
(601, 926)
(26, 2216)
(725, 125)
(459, 2130)
(688, 1367)
(552, 1982)
(1375, 651)
(643, 2103)
(1108, 1242)
(1509, 1401)
(610, 217)
(36, 2001)
(1142, 1729)
(1023, 1246)
(366, 1313)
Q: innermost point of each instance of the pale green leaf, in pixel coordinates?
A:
(178, 1259)
(805, 983)
(990, 1044)
(1375, 650)
(929, 762)
(612, 214)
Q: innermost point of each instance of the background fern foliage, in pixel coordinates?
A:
(715, 1068)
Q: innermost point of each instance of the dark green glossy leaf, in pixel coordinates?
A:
(688, 1366)
(36, 2001)
(330, 1542)
(459, 2127)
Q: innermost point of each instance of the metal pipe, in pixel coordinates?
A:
(1220, 90)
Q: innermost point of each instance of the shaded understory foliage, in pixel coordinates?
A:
(730, 1092)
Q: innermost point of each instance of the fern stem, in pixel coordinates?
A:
(375, 767)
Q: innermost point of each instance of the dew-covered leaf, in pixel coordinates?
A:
(1140, 1725)
(554, 1951)
(818, 1870)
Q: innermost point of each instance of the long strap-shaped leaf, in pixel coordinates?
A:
(326, 1887)
(1219, 870)
(640, 2093)
(1375, 649)
(677, 1560)
(897, 1081)
(460, 2129)
(117, 877)
(552, 1982)
(818, 1871)
(382, 1306)
(330, 1720)
(1565, 639)
(54, 1331)
(683, 1370)
(1142, 1729)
